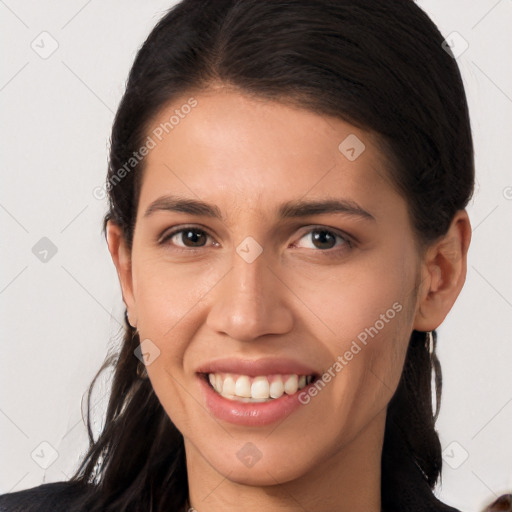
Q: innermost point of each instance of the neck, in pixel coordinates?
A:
(344, 481)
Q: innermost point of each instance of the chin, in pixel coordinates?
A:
(261, 474)
(262, 466)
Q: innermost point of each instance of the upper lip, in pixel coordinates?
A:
(256, 367)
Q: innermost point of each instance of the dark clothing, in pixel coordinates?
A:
(52, 497)
(69, 497)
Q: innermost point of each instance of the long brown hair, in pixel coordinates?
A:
(378, 65)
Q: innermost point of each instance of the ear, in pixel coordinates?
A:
(443, 272)
(121, 257)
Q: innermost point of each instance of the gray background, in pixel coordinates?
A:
(61, 312)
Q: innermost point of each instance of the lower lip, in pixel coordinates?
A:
(249, 414)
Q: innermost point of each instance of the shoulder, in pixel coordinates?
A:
(52, 497)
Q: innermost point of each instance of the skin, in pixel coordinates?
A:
(297, 299)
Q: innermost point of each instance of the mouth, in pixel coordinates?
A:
(257, 389)
(255, 392)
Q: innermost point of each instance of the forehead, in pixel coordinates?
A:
(254, 153)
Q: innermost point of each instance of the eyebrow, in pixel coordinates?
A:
(288, 210)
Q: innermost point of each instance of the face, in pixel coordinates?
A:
(301, 262)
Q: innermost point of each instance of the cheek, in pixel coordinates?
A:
(168, 298)
(366, 315)
(168, 294)
(364, 298)
(169, 313)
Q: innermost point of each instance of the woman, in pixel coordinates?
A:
(287, 186)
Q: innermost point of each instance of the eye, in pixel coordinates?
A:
(326, 239)
(185, 238)
(191, 238)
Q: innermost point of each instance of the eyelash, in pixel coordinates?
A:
(334, 251)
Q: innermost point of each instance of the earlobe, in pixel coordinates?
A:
(121, 257)
(443, 274)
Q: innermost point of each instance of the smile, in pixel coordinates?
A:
(262, 388)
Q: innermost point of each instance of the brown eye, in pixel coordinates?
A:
(193, 237)
(187, 237)
(324, 239)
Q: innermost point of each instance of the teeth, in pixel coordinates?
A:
(277, 389)
(291, 385)
(242, 386)
(218, 383)
(229, 386)
(257, 389)
(260, 388)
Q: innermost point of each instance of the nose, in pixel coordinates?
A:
(250, 301)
